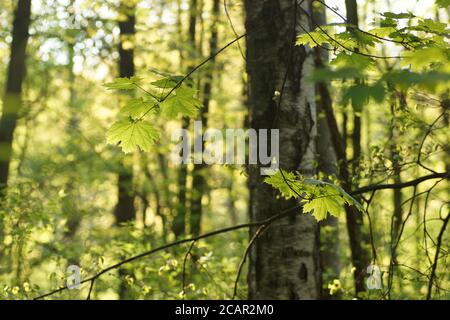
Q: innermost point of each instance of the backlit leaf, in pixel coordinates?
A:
(123, 83)
(181, 102)
(136, 108)
(129, 134)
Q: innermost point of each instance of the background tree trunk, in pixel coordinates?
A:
(70, 205)
(198, 180)
(13, 91)
(179, 223)
(284, 262)
(125, 210)
(354, 218)
(352, 18)
(327, 164)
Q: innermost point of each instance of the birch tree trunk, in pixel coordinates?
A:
(284, 262)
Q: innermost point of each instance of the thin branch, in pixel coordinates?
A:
(395, 243)
(342, 45)
(225, 6)
(91, 287)
(183, 275)
(372, 240)
(429, 130)
(193, 70)
(402, 185)
(402, 42)
(267, 221)
(436, 256)
(255, 237)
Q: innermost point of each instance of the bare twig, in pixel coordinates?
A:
(183, 275)
(225, 7)
(255, 237)
(193, 70)
(91, 287)
(436, 256)
(429, 130)
(402, 185)
(267, 221)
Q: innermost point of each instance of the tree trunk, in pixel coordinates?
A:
(352, 18)
(359, 256)
(125, 210)
(284, 262)
(13, 91)
(71, 201)
(179, 222)
(198, 180)
(327, 164)
(357, 237)
(70, 205)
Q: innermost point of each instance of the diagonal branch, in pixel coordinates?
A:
(402, 185)
(193, 70)
(436, 256)
(265, 222)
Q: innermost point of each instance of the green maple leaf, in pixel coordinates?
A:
(182, 101)
(360, 94)
(319, 198)
(168, 82)
(123, 83)
(430, 25)
(136, 108)
(326, 198)
(287, 190)
(420, 59)
(321, 206)
(313, 39)
(129, 134)
(382, 31)
(402, 15)
(317, 208)
(345, 60)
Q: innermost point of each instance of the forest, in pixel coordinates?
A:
(224, 150)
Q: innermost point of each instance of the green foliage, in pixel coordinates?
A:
(179, 100)
(424, 64)
(138, 107)
(58, 209)
(168, 82)
(320, 207)
(352, 60)
(428, 81)
(422, 58)
(313, 39)
(131, 133)
(124, 83)
(443, 3)
(383, 31)
(430, 26)
(318, 197)
(285, 183)
(392, 15)
(359, 94)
